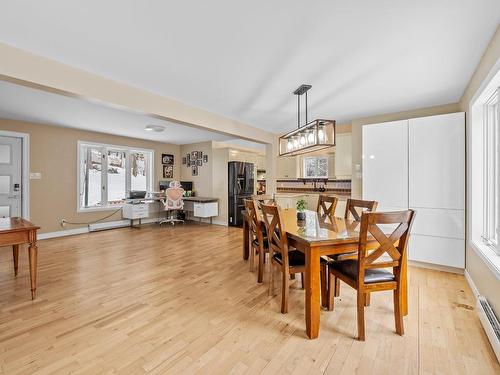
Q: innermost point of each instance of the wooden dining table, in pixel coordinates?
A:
(319, 236)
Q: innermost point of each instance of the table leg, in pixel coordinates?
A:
(33, 255)
(246, 240)
(15, 256)
(312, 292)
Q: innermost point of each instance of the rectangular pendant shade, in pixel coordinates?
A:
(316, 135)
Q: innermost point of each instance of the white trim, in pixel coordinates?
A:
(149, 181)
(488, 256)
(472, 286)
(492, 263)
(63, 233)
(100, 226)
(436, 267)
(25, 169)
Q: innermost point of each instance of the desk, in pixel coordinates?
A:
(15, 231)
(315, 237)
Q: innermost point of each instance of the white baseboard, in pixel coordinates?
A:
(63, 233)
(472, 286)
(436, 267)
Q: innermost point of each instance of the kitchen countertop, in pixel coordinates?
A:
(200, 199)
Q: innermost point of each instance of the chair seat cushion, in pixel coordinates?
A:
(265, 242)
(295, 258)
(343, 256)
(349, 267)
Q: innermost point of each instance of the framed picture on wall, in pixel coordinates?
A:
(194, 155)
(167, 159)
(194, 170)
(205, 158)
(184, 160)
(168, 171)
(192, 163)
(199, 163)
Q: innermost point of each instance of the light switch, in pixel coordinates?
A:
(35, 176)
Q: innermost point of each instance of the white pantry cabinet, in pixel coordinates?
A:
(420, 164)
(385, 164)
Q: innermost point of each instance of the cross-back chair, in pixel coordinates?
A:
(351, 209)
(353, 204)
(368, 273)
(258, 241)
(327, 205)
(289, 262)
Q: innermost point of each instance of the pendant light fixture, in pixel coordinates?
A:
(312, 136)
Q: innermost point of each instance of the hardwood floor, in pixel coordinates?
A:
(181, 300)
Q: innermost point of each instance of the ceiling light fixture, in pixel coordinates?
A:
(312, 136)
(154, 128)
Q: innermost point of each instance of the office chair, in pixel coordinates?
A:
(173, 202)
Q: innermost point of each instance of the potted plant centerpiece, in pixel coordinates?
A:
(301, 207)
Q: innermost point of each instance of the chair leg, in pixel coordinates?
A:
(302, 280)
(367, 299)
(398, 312)
(332, 282)
(337, 287)
(324, 285)
(262, 256)
(285, 288)
(271, 279)
(361, 316)
(251, 260)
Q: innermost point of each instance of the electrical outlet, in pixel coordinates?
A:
(63, 222)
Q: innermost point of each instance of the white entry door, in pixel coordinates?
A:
(10, 177)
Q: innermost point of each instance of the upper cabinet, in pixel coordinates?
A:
(286, 167)
(385, 164)
(437, 161)
(343, 156)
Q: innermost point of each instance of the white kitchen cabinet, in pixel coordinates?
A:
(437, 161)
(343, 156)
(385, 164)
(420, 164)
(286, 167)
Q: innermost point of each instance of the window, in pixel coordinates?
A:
(108, 173)
(316, 167)
(491, 163)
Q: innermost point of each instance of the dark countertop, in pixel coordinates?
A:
(200, 199)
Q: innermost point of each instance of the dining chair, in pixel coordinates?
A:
(288, 261)
(258, 241)
(351, 209)
(368, 273)
(326, 205)
(263, 199)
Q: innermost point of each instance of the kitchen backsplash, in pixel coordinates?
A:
(342, 187)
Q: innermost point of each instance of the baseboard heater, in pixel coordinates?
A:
(490, 324)
(96, 227)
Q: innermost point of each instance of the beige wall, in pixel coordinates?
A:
(203, 183)
(484, 279)
(356, 184)
(220, 182)
(53, 152)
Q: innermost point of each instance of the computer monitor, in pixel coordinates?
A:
(187, 185)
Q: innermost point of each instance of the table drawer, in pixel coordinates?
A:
(14, 238)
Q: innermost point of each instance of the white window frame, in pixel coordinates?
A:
(104, 175)
(304, 169)
(476, 170)
(491, 162)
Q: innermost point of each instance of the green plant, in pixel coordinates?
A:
(301, 205)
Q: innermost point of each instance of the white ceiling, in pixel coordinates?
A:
(243, 59)
(27, 104)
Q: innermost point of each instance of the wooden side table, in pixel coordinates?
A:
(15, 231)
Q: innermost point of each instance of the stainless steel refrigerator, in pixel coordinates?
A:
(240, 187)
